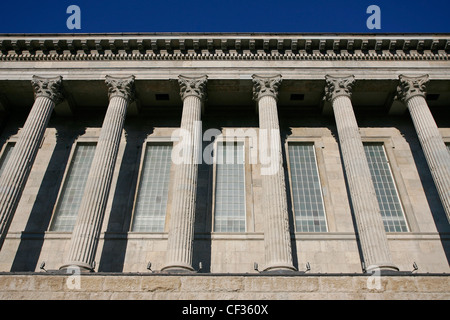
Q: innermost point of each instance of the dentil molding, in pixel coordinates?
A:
(222, 47)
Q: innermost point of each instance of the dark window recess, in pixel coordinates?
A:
(432, 96)
(162, 96)
(297, 96)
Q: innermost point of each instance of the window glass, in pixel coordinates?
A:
(383, 181)
(229, 209)
(73, 188)
(153, 190)
(309, 211)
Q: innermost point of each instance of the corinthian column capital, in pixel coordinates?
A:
(338, 86)
(193, 86)
(409, 87)
(48, 87)
(266, 86)
(120, 87)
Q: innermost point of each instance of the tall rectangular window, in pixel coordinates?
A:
(383, 181)
(5, 155)
(309, 211)
(448, 146)
(153, 189)
(229, 205)
(73, 188)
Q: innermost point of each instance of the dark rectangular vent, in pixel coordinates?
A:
(162, 97)
(432, 96)
(297, 96)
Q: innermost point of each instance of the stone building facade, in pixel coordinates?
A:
(225, 165)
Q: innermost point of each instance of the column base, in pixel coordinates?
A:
(181, 268)
(281, 268)
(81, 266)
(382, 267)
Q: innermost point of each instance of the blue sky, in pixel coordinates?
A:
(26, 16)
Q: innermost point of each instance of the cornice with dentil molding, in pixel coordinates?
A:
(216, 47)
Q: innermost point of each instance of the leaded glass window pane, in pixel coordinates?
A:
(229, 209)
(309, 211)
(153, 190)
(73, 188)
(383, 181)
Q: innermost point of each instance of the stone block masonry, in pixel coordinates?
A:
(46, 286)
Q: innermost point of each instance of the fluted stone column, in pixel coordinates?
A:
(277, 236)
(372, 235)
(182, 215)
(411, 91)
(85, 235)
(47, 93)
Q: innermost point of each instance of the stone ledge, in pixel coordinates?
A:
(212, 287)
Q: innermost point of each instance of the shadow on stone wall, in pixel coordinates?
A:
(115, 243)
(406, 127)
(284, 135)
(32, 239)
(431, 193)
(203, 218)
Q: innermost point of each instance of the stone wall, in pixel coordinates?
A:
(46, 286)
(30, 242)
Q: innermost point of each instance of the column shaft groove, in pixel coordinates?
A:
(181, 232)
(86, 233)
(277, 234)
(435, 151)
(370, 225)
(18, 167)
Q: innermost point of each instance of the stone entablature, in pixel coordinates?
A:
(223, 47)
